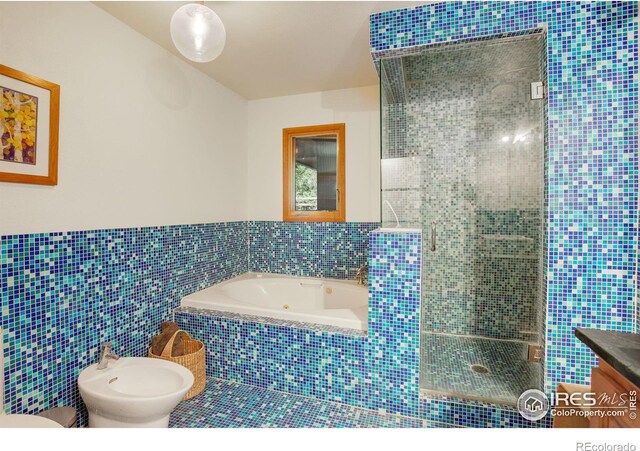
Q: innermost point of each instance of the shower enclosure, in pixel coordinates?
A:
(463, 159)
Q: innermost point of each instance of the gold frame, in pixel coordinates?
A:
(54, 121)
(289, 212)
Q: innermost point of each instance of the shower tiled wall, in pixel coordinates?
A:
(592, 158)
(464, 150)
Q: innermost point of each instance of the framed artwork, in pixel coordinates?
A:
(29, 118)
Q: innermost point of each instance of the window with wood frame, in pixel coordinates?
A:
(314, 173)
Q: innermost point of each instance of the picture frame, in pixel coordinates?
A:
(29, 127)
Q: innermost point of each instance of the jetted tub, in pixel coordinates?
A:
(332, 302)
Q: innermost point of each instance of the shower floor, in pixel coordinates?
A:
(446, 368)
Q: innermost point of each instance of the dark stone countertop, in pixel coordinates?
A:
(621, 350)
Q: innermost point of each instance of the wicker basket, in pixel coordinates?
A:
(193, 360)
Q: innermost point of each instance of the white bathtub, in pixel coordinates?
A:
(330, 302)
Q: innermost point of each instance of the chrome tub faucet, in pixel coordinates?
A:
(106, 355)
(362, 274)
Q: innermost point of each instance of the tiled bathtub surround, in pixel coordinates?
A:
(379, 370)
(317, 249)
(62, 294)
(310, 362)
(592, 137)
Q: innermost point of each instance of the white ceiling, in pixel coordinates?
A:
(276, 48)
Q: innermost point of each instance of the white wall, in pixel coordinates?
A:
(145, 139)
(358, 108)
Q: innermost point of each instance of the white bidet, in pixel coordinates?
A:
(133, 392)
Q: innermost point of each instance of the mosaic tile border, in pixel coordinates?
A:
(243, 318)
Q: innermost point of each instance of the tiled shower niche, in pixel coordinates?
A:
(463, 159)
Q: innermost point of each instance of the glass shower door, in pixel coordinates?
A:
(463, 159)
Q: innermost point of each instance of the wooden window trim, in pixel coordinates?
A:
(288, 174)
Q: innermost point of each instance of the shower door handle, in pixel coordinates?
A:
(433, 236)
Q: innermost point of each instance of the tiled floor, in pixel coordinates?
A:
(225, 404)
(447, 360)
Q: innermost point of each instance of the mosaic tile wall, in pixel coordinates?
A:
(319, 249)
(379, 370)
(63, 294)
(592, 192)
(392, 357)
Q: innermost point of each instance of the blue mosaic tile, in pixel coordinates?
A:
(377, 371)
(475, 414)
(119, 284)
(448, 360)
(226, 404)
(485, 194)
(317, 249)
(393, 353)
(486, 198)
(591, 139)
(319, 364)
(63, 294)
